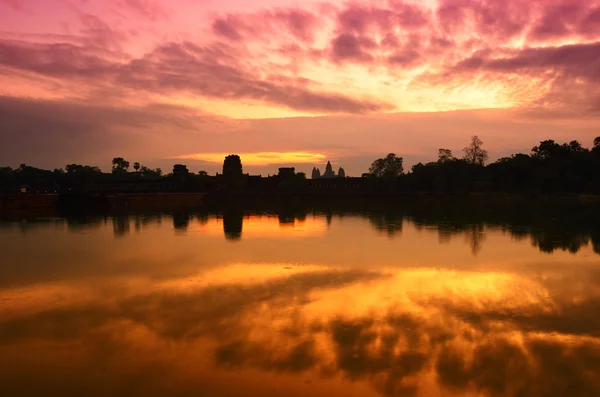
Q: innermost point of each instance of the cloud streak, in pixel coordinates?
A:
(177, 68)
(262, 158)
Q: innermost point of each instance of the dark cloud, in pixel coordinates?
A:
(242, 353)
(353, 48)
(54, 133)
(61, 60)
(557, 21)
(590, 25)
(579, 59)
(537, 368)
(564, 19)
(227, 27)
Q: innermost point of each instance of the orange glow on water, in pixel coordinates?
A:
(339, 309)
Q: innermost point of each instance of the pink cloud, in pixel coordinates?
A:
(368, 34)
(569, 74)
(15, 4)
(501, 20)
(299, 24)
(147, 8)
(98, 33)
(209, 72)
(558, 21)
(406, 57)
(178, 67)
(359, 18)
(396, 35)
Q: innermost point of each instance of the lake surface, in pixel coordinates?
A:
(266, 303)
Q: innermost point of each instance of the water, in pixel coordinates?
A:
(319, 304)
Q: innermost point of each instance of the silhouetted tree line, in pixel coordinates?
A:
(550, 168)
(72, 177)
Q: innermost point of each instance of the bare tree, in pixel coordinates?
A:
(474, 154)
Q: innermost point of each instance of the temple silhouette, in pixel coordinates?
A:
(329, 172)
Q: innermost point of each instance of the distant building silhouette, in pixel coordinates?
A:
(232, 166)
(287, 172)
(329, 172)
(316, 173)
(180, 169)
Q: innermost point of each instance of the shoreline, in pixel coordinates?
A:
(23, 205)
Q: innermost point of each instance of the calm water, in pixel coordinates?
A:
(342, 304)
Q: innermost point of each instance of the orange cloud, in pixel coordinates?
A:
(261, 158)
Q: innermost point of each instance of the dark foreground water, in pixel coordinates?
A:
(316, 304)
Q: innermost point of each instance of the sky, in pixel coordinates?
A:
(290, 82)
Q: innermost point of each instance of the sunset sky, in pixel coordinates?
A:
(290, 82)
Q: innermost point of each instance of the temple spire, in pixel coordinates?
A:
(316, 174)
(329, 173)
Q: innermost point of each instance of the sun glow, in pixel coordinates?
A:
(261, 158)
(267, 226)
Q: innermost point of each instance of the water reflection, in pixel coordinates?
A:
(121, 225)
(308, 303)
(389, 222)
(570, 231)
(181, 220)
(233, 220)
(564, 229)
(349, 326)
